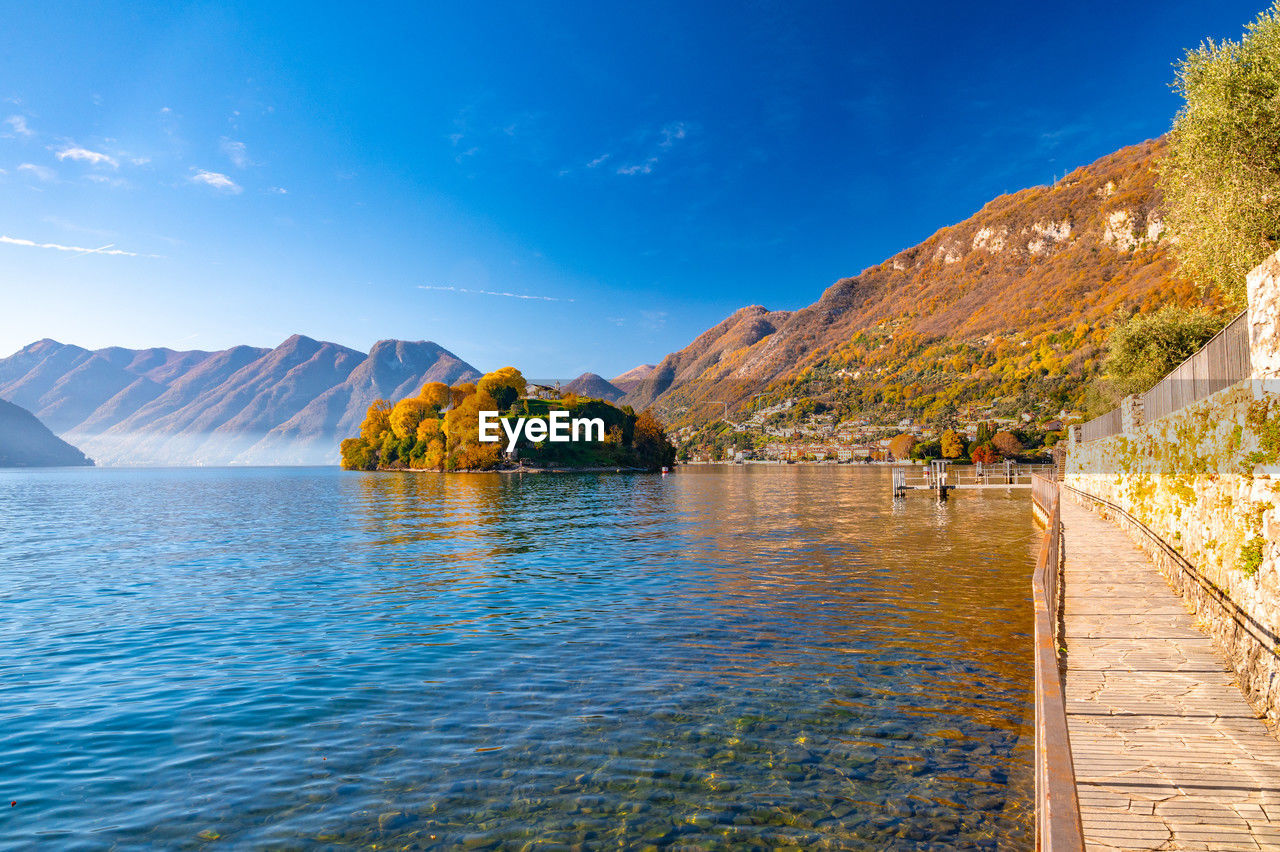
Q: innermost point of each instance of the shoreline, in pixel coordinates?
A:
(508, 470)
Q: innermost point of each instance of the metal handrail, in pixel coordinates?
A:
(1058, 824)
(1248, 624)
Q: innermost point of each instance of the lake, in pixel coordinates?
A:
(726, 657)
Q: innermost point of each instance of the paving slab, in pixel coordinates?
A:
(1168, 754)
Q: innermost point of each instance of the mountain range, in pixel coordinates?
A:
(288, 405)
(1010, 305)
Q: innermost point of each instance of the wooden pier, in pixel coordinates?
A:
(942, 477)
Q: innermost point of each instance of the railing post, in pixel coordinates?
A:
(1131, 414)
(1264, 318)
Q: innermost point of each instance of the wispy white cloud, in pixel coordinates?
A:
(598, 161)
(84, 155)
(106, 180)
(493, 293)
(41, 172)
(671, 133)
(668, 135)
(107, 249)
(639, 168)
(18, 126)
(278, 190)
(217, 180)
(236, 152)
(653, 320)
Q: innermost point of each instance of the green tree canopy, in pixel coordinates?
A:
(1221, 178)
(1145, 347)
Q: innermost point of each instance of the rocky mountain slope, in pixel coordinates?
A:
(26, 442)
(244, 405)
(629, 380)
(596, 386)
(1006, 308)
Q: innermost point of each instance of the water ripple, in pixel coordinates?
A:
(721, 658)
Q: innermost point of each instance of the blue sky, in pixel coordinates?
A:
(563, 187)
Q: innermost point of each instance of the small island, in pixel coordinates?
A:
(439, 429)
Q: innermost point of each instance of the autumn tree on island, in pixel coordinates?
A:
(435, 394)
(439, 429)
(504, 386)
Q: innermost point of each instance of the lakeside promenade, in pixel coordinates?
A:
(1167, 753)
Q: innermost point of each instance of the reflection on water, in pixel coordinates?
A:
(754, 657)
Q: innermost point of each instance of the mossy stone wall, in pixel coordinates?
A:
(1206, 480)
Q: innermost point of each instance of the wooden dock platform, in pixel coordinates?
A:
(941, 477)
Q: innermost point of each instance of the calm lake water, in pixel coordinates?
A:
(726, 657)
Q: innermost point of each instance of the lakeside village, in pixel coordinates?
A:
(806, 430)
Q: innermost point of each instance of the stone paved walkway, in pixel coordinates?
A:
(1167, 753)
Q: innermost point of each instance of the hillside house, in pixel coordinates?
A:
(533, 391)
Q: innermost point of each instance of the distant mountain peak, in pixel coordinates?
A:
(596, 386)
(629, 380)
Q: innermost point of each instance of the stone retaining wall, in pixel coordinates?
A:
(1206, 481)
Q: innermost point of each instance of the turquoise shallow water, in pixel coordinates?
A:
(303, 658)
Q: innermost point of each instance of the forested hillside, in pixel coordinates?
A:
(1005, 311)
